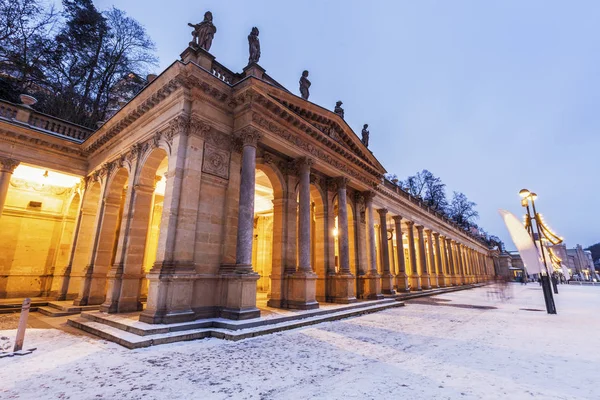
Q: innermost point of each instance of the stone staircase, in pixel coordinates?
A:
(128, 331)
(63, 308)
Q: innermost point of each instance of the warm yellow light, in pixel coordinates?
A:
(335, 232)
(160, 187)
(524, 193)
(45, 177)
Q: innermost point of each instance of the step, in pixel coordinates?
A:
(132, 341)
(53, 312)
(130, 322)
(68, 306)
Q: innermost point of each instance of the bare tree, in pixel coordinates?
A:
(462, 210)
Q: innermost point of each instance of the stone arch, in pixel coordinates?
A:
(85, 235)
(319, 237)
(146, 215)
(268, 249)
(93, 290)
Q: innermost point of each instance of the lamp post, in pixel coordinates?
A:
(528, 196)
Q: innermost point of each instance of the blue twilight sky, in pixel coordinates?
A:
(492, 96)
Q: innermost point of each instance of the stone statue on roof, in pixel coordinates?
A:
(254, 45)
(204, 32)
(304, 85)
(338, 109)
(365, 135)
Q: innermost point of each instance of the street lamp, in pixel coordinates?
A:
(542, 232)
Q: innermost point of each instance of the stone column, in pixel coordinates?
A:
(401, 277)
(387, 282)
(342, 283)
(441, 276)
(371, 281)
(461, 263)
(431, 260)
(7, 167)
(452, 262)
(425, 279)
(302, 288)
(415, 279)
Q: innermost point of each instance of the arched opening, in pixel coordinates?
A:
(318, 239)
(93, 291)
(262, 244)
(270, 243)
(147, 212)
(85, 236)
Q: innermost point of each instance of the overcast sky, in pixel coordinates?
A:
(490, 96)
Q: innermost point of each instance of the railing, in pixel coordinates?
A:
(222, 73)
(27, 115)
(7, 111)
(57, 126)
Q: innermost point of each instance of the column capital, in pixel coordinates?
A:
(382, 211)
(397, 218)
(303, 165)
(341, 182)
(428, 231)
(368, 195)
(420, 228)
(8, 164)
(250, 136)
(436, 234)
(410, 223)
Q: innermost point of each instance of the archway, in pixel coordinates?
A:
(318, 239)
(93, 290)
(85, 236)
(142, 242)
(270, 244)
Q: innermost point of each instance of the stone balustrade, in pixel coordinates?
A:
(223, 73)
(27, 115)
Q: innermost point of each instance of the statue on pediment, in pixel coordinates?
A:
(204, 32)
(254, 45)
(338, 109)
(365, 135)
(304, 85)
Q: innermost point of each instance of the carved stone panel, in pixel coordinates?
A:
(215, 161)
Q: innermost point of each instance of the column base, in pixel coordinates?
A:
(415, 283)
(402, 283)
(425, 282)
(371, 287)
(302, 290)
(435, 282)
(239, 295)
(387, 284)
(442, 281)
(342, 289)
(170, 290)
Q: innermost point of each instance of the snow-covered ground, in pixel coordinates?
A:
(434, 348)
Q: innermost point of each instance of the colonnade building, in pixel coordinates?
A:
(213, 193)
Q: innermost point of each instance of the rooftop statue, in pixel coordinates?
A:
(304, 85)
(204, 32)
(365, 135)
(338, 109)
(254, 45)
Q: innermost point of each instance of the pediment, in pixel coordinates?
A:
(332, 126)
